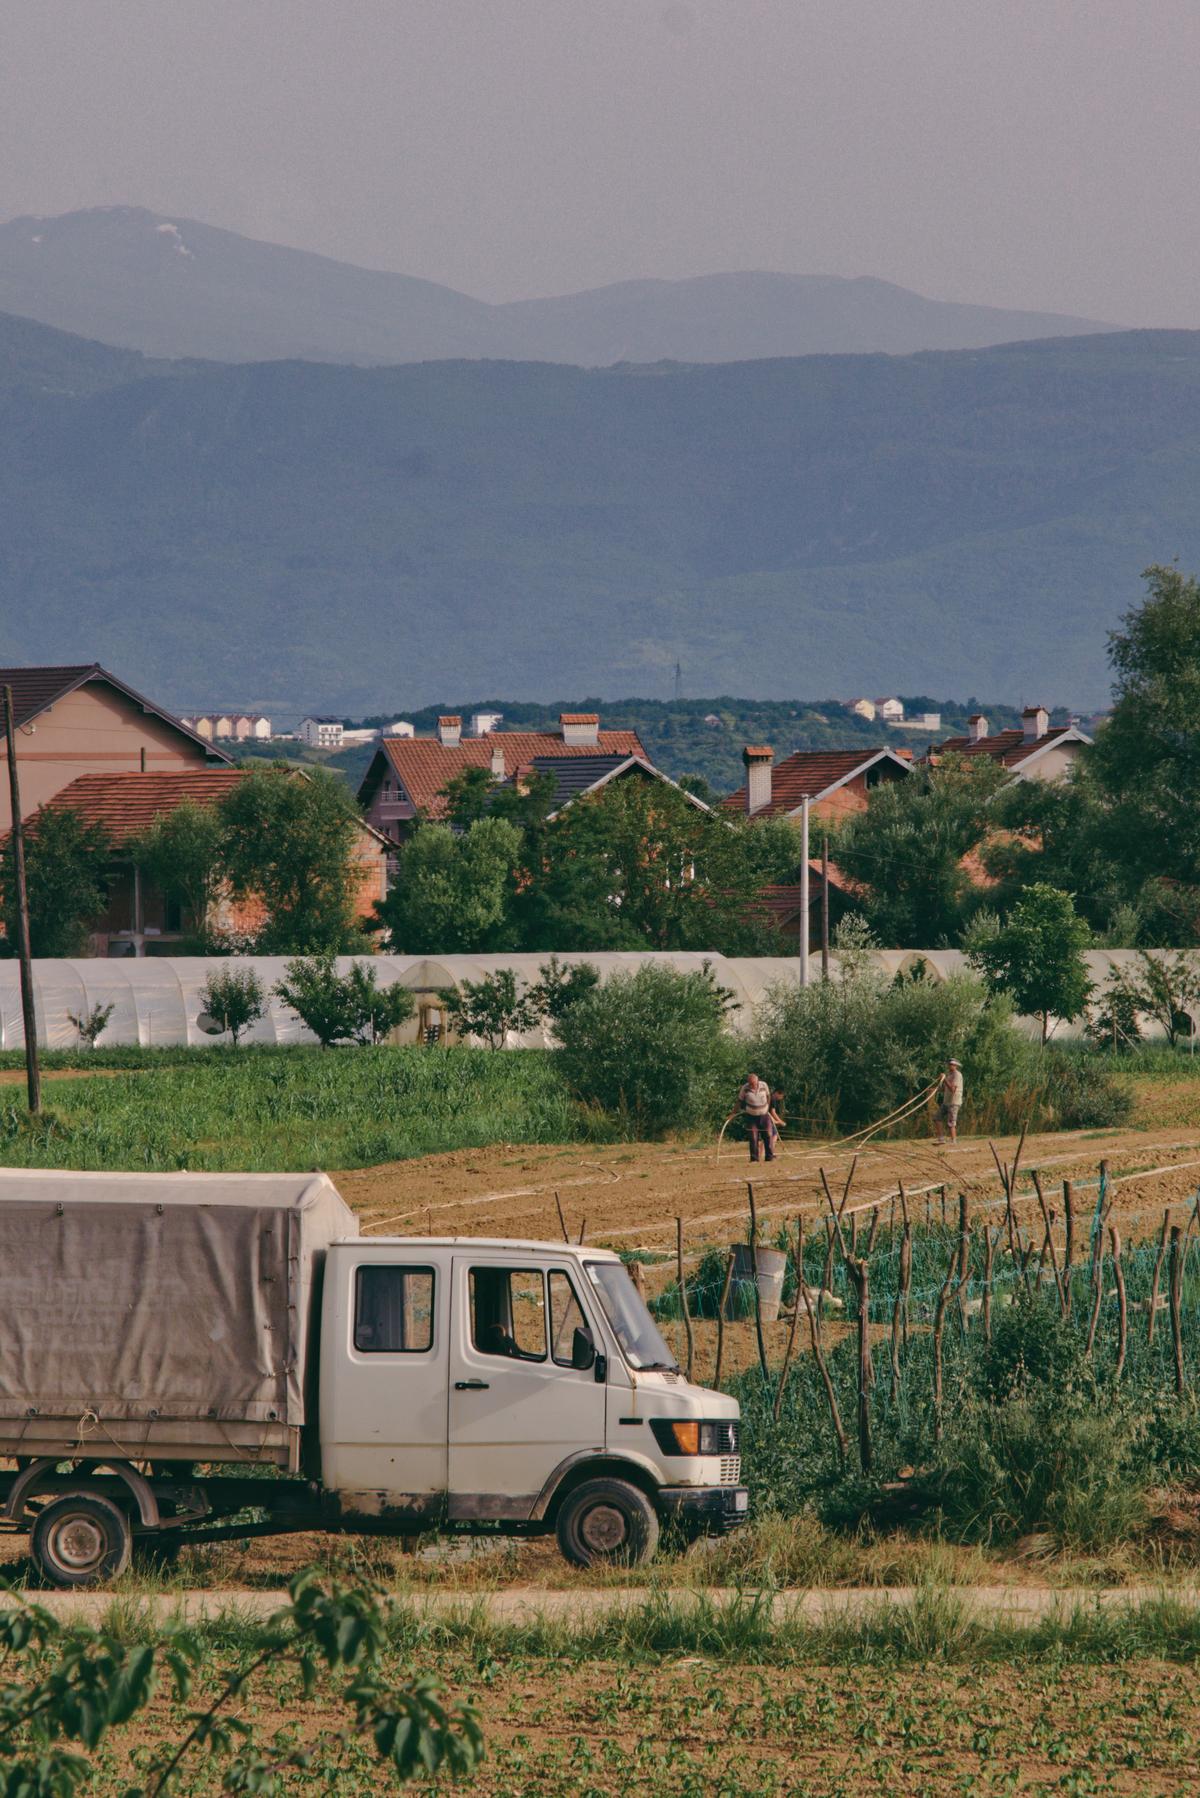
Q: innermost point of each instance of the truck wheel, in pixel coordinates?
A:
(81, 1540)
(607, 1522)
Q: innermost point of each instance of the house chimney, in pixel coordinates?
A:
(977, 727)
(581, 729)
(1035, 722)
(449, 731)
(498, 769)
(758, 759)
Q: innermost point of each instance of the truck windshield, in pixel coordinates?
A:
(632, 1324)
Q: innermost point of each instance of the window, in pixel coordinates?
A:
(393, 1310)
(566, 1317)
(508, 1313)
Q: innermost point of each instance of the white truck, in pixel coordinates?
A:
(192, 1357)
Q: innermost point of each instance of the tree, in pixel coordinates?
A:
(1147, 756)
(234, 999)
(183, 854)
(650, 1048)
(476, 793)
(559, 987)
(1060, 833)
(68, 877)
(90, 1024)
(1167, 988)
(1036, 956)
(452, 891)
(291, 841)
(69, 1685)
(491, 1007)
(350, 1007)
(1114, 1023)
(909, 849)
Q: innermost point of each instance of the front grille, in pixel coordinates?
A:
(729, 1438)
(731, 1470)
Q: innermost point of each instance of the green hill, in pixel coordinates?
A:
(295, 535)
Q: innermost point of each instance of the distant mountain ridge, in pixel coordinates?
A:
(355, 540)
(172, 287)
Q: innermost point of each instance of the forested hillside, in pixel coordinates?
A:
(300, 535)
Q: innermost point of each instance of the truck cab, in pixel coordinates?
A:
(521, 1385)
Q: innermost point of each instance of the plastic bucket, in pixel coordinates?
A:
(772, 1265)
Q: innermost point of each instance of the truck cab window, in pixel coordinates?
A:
(393, 1309)
(508, 1313)
(566, 1318)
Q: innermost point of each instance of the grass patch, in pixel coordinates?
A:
(267, 1109)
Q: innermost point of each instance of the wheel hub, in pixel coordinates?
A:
(78, 1543)
(604, 1529)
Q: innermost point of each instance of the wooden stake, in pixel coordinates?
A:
(1158, 1261)
(639, 1279)
(562, 1222)
(964, 1255)
(1097, 1288)
(791, 1341)
(758, 1329)
(16, 846)
(903, 1204)
(1114, 1237)
(582, 1232)
(1175, 1291)
(939, 1322)
(683, 1298)
(1037, 1186)
(1069, 1252)
(900, 1308)
(839, 1429)
(873, 1232)
(861, 1275)
(989, 1257)
(721, 1320)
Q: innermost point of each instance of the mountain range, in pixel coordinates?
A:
(299, 535)
(172, 287)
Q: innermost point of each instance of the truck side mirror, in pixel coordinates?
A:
(583, 1350)
(601, 1369)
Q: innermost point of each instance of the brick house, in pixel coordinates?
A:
(81, 719)
(1035, 752)
(408, 776)
(139, 919)
(835, 781)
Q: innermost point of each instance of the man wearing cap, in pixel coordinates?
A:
(949, 1093)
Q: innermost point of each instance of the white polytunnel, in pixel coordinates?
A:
(157, 1001)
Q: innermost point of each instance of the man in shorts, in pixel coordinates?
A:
(754, 1099)
(950, 1092)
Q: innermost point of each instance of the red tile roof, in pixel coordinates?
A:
(783, 902)
(125, 804)
(1007, 746)
(34, 690)
(424, 765)
(807, 771)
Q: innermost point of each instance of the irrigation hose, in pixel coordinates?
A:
(868, 1130)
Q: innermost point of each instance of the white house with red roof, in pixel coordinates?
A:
(1035, 752)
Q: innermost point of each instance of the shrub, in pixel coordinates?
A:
(233, 998)
(91, 1024)
(1085, 1096)
(350, 1007)
(650, 1048)
(491, 1007)
(848, 1051)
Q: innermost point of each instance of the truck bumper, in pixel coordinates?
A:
(705, 1510)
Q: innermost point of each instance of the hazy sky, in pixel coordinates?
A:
(1019, 152)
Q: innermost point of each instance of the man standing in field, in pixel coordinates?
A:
(754, 1098)
(949, 1095)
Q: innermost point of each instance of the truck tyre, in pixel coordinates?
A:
(607, 1522)
(81, 1540)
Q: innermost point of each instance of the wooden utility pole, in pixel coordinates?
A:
(825, 907)
(16, 846)
(804, 891)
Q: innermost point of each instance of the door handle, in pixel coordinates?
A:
(470, 1386)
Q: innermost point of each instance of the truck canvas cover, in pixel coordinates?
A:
(145, 1297)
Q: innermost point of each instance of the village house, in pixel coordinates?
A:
(241, 727)
(139, 920)
(1035, 752)
(891, 711)
(408, 776)
(82, 719)
(834, 781)
(862, 708)
(322, 733)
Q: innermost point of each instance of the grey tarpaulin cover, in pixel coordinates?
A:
(172, 1296)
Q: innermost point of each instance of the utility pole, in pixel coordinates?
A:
(825, 906)
(804, 891)
(16, 846)
(678, 680)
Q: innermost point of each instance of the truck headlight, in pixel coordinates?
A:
(687, 1436)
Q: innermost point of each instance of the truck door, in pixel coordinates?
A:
(383, 1394)
(521, 1398)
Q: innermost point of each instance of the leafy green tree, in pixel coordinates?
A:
(559, 987)
(1147, 756)
(71, 1686)
(1115, 1023)
(1166, 987)
(350, 1007)
(1036, 957)
(234, 999)
(291, 841)
(1060, 833)
(182, 853)
(476, 794)
(650, 1048)
(452, 892)
(491, 1007)
(68, 878)
(909, 849)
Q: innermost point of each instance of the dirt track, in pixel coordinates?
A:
(629, 1195)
